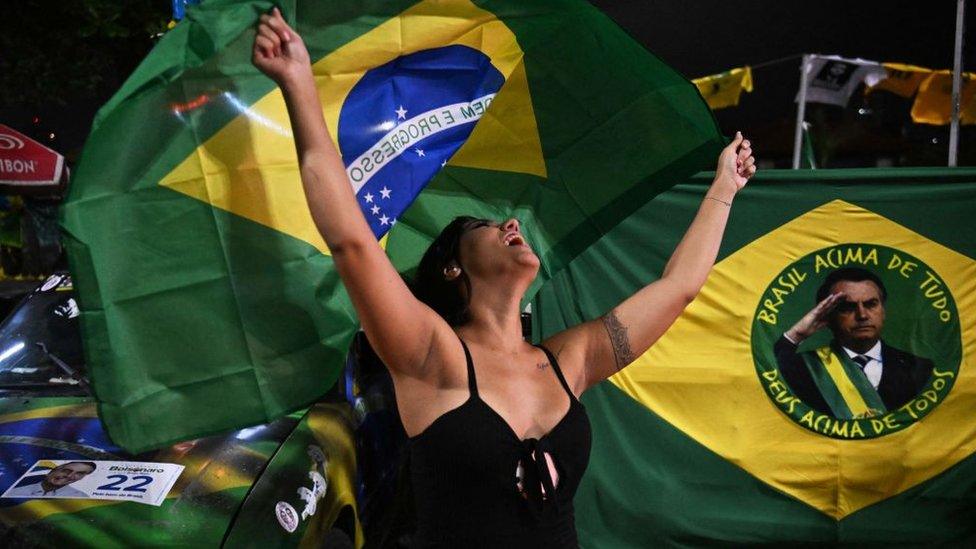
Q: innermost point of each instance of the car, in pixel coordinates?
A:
(325, 476)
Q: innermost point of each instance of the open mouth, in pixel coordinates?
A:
(514, 239)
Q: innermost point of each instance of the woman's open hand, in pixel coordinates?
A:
(736, 163)
(278, 50)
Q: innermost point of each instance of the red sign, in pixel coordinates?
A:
(26, 163)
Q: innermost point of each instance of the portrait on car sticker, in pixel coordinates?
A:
(141, 482)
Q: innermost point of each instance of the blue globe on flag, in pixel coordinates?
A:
(403, 120)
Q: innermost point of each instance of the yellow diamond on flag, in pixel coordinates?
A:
(714, 393)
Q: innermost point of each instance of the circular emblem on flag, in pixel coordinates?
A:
(857, 340)
(403, 121)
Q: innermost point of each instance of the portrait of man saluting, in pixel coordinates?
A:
(857, 375)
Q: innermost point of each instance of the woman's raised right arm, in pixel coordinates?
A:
(400, 327)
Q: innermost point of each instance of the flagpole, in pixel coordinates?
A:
(956, 84)
(801, 109)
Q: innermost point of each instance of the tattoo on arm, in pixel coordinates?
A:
(618, 340)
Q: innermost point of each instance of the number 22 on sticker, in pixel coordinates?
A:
(141, 480)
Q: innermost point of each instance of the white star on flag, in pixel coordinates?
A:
(420, 152)
(384, 220)
(393, 222)
(384, 192)
(375, 209)
(401, 113)
(444, 163)
(369, 198)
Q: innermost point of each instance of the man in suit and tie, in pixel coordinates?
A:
(857, 374)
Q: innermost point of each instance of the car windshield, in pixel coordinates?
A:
(40, 343)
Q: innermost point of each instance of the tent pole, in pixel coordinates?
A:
(956, 84)
(801, 108)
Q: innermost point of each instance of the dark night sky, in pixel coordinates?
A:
(707, 36)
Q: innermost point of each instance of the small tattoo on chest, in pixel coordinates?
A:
(542, 365)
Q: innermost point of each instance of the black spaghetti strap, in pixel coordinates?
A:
(559, 372)
(472, 380)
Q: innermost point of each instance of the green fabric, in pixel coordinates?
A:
(649, 484)
(196, 320)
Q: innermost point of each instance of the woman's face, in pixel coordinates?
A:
(489, 249)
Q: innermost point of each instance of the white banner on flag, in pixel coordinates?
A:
(138, 481)
(832, 79)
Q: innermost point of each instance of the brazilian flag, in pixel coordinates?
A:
(704, 440)
(209, 300)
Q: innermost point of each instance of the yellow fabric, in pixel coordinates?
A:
(724, 89)
(250, 167)
(902, 79)
(506, 137)
(701, 378)
(855, 403)
(67, 410)
(933, 104)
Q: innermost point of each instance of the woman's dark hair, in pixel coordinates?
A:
(449, 298)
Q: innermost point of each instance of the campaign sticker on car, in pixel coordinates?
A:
(138, 481)
(51, 282)
(287, 516)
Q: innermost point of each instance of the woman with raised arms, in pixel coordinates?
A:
(498, 439)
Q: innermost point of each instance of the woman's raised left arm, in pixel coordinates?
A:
(595, 350)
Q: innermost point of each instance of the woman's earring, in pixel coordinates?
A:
(452, 272)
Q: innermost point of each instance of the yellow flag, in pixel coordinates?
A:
(933, 104)
(902, 79)
(723, 89)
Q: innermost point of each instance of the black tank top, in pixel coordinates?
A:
(476, 484)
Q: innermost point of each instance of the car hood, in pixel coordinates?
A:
(218, 473)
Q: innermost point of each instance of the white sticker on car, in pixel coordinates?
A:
(68, 309)
(51, 282)
(138, 481)
(287, 516)
(312, 496)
